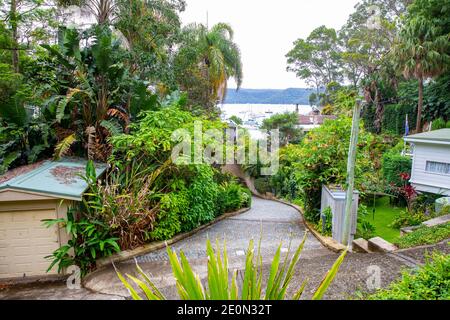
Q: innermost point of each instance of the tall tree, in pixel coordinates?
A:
(316, 59)
(103, 10)
(211, 57)
(367, 38)
(29, 22)
(421, 53)
(152, 28)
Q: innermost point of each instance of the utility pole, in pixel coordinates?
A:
(351, 173)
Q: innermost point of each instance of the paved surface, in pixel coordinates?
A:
(276, 223)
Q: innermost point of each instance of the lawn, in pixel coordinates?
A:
(384, 216)
(424, 236)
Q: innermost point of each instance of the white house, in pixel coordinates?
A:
(431, 161)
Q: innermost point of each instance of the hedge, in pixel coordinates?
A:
(395, 118)
(393, 165)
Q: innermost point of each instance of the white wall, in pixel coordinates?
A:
(427, 181)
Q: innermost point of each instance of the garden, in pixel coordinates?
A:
(115, 92)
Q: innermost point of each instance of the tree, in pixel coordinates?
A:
(421, 53)
(287, 123)
(95, 95)
(103, 10)
(238, 121)
(208, 58)
(316, 59)
(28, 22)
(152, 29)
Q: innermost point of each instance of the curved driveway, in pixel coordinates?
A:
(279, 224)
(275, 222)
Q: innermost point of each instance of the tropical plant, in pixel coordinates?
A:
(421, 52)
(393, 164)
(364, 229)
(208, 57)
(95, 96)
(190, 287)
(232, 196)
(89, 240)
(103, 10)
(24, 136)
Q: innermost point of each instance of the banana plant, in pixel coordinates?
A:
(190, 287)
(98, 89)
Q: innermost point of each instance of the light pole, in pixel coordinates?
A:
(351, 163)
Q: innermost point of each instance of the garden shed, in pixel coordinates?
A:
(431, 161)
(28, 195)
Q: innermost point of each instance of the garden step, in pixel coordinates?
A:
(407, 230)
(437, 221)
(380, 245)
(361, 245)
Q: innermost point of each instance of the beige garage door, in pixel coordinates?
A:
(24, 242)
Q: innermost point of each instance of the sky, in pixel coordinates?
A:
(265, 31)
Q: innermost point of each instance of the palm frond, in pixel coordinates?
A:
(112, 126)
(63, 147)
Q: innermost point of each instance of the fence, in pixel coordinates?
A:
(334, 197)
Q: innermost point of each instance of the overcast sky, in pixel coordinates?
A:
(265, 32)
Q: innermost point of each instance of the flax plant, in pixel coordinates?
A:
(190, 287)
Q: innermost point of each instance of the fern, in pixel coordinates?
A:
(35, 152)
(64, 146)
(60, 110)
(7, 160)
(113, 127)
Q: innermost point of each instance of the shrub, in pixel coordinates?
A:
(364, 229)
(174, 207)
(393, 165)
(322, 159)
(425, 235)
(439, 124)
(262, 185)
(429, 282)
(395, 115)
(325, 225)
(232, 197)
(90, 240)
(407, 219)
(202, 195)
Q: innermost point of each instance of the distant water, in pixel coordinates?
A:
(254, 114)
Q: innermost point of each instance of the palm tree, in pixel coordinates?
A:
(102, 10)
(217, 56)
(421, 53)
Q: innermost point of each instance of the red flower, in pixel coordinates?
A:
(405, 176)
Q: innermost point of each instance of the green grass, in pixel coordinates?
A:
(385, 214)
(424, 236)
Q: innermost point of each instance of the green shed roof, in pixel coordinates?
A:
(441, 136)
(57, 179)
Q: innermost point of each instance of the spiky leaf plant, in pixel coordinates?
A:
(219, 287)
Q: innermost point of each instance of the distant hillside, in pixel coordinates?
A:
(269, 96)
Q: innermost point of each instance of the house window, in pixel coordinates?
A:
(438, 167)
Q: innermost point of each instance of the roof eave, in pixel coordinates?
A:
(44, 194)
(429, 141)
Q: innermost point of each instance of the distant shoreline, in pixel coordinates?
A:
(290, 96)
